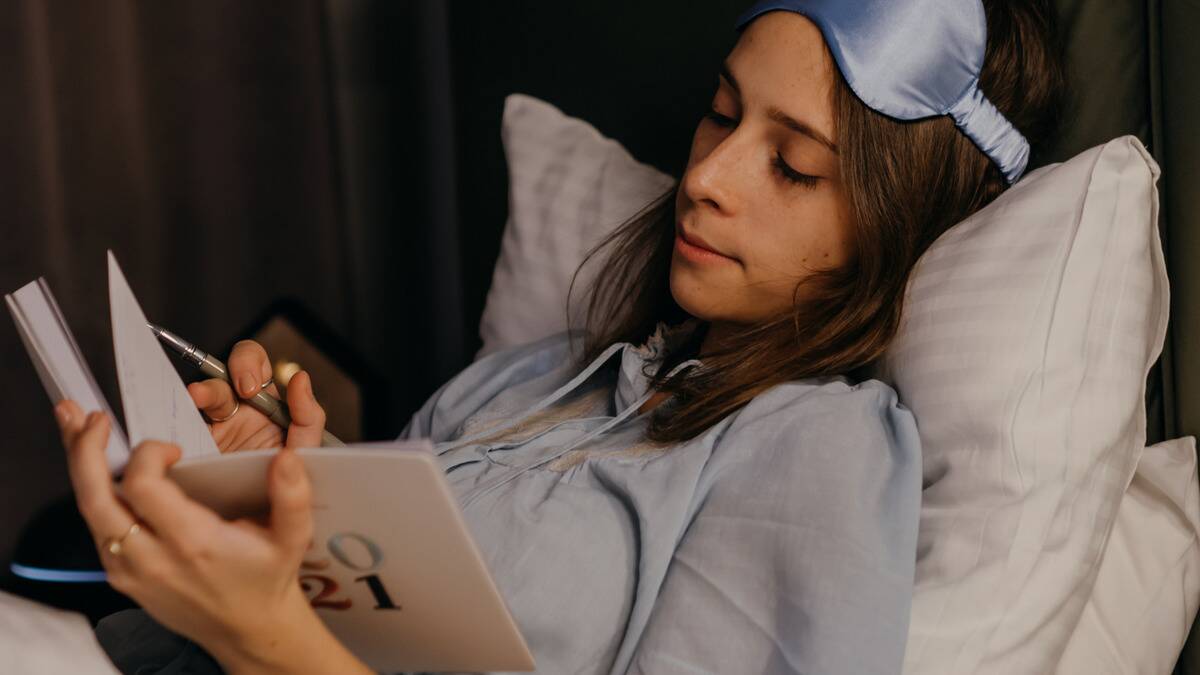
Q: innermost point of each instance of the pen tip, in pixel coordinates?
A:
(154, 328)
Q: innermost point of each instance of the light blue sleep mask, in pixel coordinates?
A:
(911, 59)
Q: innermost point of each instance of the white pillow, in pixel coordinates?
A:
(1027, 335)
(568, 187)
(992, 297)
(1148, 586)
(37, 638)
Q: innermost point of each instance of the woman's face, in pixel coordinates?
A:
(761, 186)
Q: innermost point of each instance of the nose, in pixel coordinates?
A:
(714, 178)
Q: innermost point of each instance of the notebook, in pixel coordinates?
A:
(392, 570)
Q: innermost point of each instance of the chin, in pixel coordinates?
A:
(711, 302)
(694, 296)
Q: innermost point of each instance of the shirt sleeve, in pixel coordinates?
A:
(136, 643)
(472, 388)
(801, 556)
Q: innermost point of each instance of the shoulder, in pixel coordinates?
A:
(488, 377)
(832, 411)
(828, 398)
(516, 363)
(829, 440)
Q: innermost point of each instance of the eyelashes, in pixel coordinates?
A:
(789, 174)
(720, 120)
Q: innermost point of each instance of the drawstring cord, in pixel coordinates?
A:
(496, 483)
(558, 393)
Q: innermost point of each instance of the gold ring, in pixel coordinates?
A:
(236, 405)
(114, 545)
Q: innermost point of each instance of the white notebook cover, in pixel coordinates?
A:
(393, 570)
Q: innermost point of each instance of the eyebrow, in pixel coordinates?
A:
(781, 117)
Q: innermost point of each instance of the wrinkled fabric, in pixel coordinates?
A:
(911, 59)
(780, 540)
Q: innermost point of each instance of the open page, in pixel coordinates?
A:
(59, 363)
(157, 405)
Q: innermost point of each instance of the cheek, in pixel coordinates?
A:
(791, 248)
(817, 238)
(824, 249)
(842, 240)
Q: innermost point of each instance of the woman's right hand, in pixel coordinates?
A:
(249, 429)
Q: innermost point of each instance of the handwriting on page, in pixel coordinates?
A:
(356, 553)
(157, 405)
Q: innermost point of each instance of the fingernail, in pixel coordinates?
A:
(246, 384)
(62, 414)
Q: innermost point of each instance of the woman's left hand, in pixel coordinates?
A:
(231, 586)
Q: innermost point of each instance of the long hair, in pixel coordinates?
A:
(906, 181)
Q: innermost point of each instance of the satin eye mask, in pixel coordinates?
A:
(911, 59)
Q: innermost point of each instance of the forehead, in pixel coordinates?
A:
(781, 59)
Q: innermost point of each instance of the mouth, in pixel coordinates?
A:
(695, 249)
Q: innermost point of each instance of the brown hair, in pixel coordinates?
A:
(907, 182)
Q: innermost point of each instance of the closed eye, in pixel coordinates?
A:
(720, 120)
(792, 175)
(788, 173)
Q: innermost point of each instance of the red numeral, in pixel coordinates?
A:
(328, 588)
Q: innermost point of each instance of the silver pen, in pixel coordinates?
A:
(275, 409)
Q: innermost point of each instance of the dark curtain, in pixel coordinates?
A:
(231, 154)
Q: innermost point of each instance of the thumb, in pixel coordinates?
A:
(308, 417)
(290, 493)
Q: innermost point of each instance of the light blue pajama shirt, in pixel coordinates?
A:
(780, 540)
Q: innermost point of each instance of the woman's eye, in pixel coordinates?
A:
(792, 175)
(789, 174)
(720, 120)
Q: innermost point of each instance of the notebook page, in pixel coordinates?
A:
(59, 363)
(157, 405)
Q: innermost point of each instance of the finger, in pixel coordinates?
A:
(140, 562)
(70, 420)
(213, 397)
(106, 517)
(91, 481)
(308, 417)
(290, 493)
(159, 501)
(249, 367)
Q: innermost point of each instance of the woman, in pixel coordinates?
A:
(730, 495)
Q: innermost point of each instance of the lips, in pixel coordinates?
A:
(698, 242)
